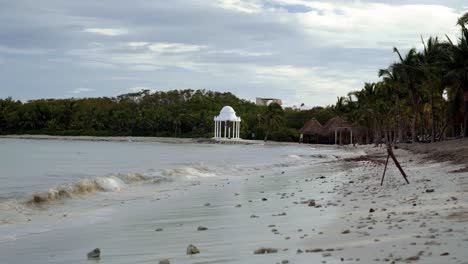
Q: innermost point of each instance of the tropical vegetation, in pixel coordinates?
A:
(423, 96)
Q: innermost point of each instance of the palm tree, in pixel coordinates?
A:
(458, 70)
(431, 64)
(393, 80)
(272, 118)
(407, 67)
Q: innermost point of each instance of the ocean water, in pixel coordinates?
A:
(60, 199)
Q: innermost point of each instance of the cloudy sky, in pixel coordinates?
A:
(298, 50)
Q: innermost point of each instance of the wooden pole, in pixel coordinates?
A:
(392, 155)
(390, 152)
(383, 175)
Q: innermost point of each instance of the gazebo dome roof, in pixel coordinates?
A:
(227, 114)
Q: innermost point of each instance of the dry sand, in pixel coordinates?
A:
(424, 222)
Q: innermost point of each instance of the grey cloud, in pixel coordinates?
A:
(47, 53)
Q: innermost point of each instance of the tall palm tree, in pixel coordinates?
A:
(458, 70)
(272, 118)
(432, 66)
(393, 80)
(407, 67)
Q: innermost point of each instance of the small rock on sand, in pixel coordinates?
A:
(413, 258)
(312, 202)
(371, 210)
(314, 250)
(192, 250)
(158, 229)
(445, 254)
(207, 204)
(164, 261)
(202, 228)
(346, 231)
(94, 254)
(265, 251)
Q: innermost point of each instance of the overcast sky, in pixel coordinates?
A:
(297, 50)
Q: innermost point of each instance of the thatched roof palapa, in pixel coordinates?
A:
(333, 124)
(311, 127)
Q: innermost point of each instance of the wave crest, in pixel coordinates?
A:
(113, 183)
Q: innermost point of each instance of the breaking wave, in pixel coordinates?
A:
(114, 183)
(190, 172)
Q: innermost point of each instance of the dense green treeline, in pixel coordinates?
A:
(177, 113)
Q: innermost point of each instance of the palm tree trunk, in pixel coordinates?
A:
(415, 117)
(399, 128)
(433, 127)
(465, 99)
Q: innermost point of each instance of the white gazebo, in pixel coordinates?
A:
(227, 118)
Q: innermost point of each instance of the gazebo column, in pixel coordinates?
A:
(215, 127)
(234, 129)
(238, 129)
(225, 129)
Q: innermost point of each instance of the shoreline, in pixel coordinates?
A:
(151, 139)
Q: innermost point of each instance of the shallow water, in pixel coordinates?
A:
(122, 221)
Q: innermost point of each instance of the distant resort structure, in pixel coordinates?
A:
(267, 101)
(227, 124)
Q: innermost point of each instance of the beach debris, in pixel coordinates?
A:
(327, 254)
(264, 199)
(202, 228)
(346, 231)
(429, 190)
(371, 210)
(284, 261)
(192, 250)
(94, 254)
(265, 251)
(299, 251)
(164, 261)
(239, 205)
(313, 250)
(412, 258)
(207, 204)
(445, 254)
(280, 214)
(312, 202)
(254, 216)
(158, 229)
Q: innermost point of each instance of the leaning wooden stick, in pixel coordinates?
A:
(383, 175)
(390, 154)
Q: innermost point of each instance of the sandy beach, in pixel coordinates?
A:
(330, 209)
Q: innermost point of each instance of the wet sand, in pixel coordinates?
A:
(352, 219)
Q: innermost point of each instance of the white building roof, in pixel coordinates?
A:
(227, 114)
